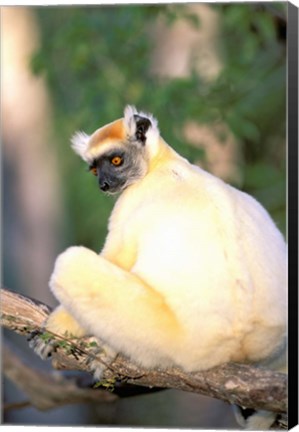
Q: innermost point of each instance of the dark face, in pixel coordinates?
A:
(119, 168)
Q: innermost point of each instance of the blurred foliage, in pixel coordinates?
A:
(97, 59)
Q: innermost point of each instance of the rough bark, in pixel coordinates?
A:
(245, 385)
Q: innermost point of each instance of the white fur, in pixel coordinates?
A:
(193, 272)
(97, 151)
(80, 144)
(210, 252)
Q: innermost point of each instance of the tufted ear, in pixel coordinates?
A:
(140, 126)
(80, 144)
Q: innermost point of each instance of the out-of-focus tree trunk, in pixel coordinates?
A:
(181, 47)
(31, 192)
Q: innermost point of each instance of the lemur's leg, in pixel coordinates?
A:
(115, 305)
(61, 323)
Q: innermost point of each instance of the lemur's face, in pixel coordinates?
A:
(119, 153)
(119, 167)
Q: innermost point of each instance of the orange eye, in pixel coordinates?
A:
(94, 170)
(116, 161)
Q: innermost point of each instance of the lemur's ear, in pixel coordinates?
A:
(140, 126)
(80, 143)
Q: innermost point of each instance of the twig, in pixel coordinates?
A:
(16, 405)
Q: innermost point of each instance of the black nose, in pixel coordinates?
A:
(104, 186)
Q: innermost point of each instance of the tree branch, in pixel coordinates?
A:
(45, 390)
(245, 385)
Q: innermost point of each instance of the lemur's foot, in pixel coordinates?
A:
(99, 359)
(42, 344)
(251, 419)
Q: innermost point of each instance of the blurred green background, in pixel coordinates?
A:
(214, 75)
(97, 60)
